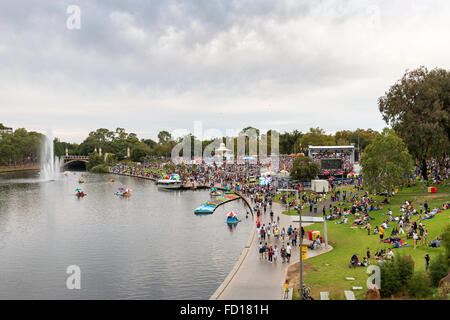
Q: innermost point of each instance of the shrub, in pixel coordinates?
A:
(419, 286)
(395, 275)
(445, 240)
(100, 168)
(94, 160)
(438, 269)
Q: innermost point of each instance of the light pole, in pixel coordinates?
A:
(299, 210)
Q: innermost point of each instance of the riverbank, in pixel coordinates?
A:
(19, 168)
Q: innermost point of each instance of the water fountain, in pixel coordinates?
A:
(50, 165)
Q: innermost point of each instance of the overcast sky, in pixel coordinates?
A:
(147, 66)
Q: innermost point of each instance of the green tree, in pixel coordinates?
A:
(94, 160)
(164, 137)
(395, 275)
(304, 169)
(139, 153)
(419, 285)
(316, 137)
(386, 163)
(418, 108)
(438, 269)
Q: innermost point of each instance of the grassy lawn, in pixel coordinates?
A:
(10, 169)
(327, 272)
(422, 188)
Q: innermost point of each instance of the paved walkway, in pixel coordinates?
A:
(257, 279)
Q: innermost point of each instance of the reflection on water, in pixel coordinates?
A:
(148, 246)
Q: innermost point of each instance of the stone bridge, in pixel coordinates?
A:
(74, 161)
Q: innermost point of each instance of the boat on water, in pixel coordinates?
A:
(228, 190)
(232, 217)
(122, 192)
(214, 192)
(80, 193)
(205, 209)
(171, 182)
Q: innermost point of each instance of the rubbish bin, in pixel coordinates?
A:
(304, 250)
(315, 235)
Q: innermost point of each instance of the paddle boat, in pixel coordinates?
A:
(228, 190)
(232, 217)
(122, 192)
(171, 182)
(205, 208)
(80, 180)
(214, 192)
(79, 193)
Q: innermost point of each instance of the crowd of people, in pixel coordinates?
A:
(277, 241)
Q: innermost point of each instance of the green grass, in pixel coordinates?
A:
(347, 241)
(421, 187)
(10, 169)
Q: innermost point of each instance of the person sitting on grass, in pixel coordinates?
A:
(436, 243)
(390, 254)
(376, 230)
(378, 255)
(354, 261)
(400, 244)
(345, 220)
(364, 263)
(445, 206)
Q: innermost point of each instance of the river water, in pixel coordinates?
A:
(148, 246)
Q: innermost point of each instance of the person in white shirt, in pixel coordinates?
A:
(415, 237)
(288, 252)
(390, 254)
(400, 227)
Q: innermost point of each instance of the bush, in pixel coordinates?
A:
(445, 240)
(419, 286)
(101, 168)
(395, 275)
(94, 160)
(438, 269)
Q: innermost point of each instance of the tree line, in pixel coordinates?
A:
(20, 147)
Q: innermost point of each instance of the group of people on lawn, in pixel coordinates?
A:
(414, 230)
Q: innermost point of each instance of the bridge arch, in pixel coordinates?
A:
(74, 162)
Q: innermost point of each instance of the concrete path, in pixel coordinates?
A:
(257, 279)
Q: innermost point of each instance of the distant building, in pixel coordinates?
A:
(4, 129)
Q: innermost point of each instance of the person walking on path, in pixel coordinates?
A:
(286, 290)
(261, 251)
(283, 233)
(270, 253)
(275, 254)
(283, 254)
(294, 237)
(266, 249)
(288, 252)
